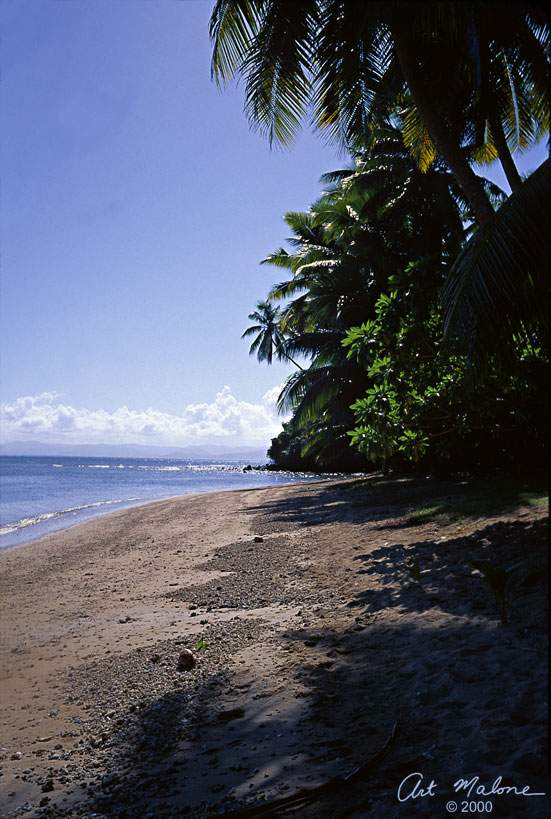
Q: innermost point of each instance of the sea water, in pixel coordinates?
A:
(42, 494)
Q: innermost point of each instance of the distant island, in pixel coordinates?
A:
(195, 452)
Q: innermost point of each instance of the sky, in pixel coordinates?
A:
(136, 206)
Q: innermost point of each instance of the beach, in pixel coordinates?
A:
(327, 621)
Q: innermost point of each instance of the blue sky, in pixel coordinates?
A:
(136, 205)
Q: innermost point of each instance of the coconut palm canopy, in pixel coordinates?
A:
(410, 259)
(472, 80)
(466, 82)
(360, 310)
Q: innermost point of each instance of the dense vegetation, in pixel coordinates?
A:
(414, 303)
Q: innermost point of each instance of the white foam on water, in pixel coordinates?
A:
(24, 522)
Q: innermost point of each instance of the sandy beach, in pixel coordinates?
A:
(320, 616)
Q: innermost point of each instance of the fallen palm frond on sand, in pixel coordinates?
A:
(306, 796)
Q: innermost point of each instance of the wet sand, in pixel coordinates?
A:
(327, 614)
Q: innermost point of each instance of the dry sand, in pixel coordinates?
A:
(318, 639)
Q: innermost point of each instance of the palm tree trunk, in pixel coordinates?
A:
(288, 357)
(450, 151)
(292, 360)
(507, 162)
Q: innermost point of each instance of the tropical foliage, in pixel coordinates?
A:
(475, 75)
(467, 80)
(415, 303)
(361, 310)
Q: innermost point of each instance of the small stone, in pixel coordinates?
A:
(156, 658)
(47, 786)
(258, 539)
(17, 755)
(231, 714)
(186, 660)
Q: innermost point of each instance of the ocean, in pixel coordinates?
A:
(42, 494)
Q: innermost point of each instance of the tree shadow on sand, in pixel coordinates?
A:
(400, 503)
(468, 693)
(461, 694)
(419, 576)
(464, 700)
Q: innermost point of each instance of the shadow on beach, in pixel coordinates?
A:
(400, 503)
(305, 704)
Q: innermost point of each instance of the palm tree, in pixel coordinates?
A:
(496, 297)
(468, 80)
(341, 58)
(367, 227)
(269, 340)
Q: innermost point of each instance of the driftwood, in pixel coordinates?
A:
(306, 796)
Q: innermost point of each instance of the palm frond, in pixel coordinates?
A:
(279, 258)
(336, 177)
(418, 140)
(250, 331)
(277, 69)
(498, 287)
(348, 70)
(306, 393)
(233, 25)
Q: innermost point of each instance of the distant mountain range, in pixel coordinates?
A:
(195, 453)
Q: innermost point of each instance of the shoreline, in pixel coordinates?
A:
(124, 505)
(316, 640)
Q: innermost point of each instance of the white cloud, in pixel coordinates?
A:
(226, 419)
(270, 397)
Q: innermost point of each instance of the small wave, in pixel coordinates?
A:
(57, 466)
(215, 468)
(186, 467)
(192, 468)
(24, 522)
(163, 468)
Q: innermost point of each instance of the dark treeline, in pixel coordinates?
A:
(412, 297)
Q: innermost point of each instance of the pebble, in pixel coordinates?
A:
(186, 660)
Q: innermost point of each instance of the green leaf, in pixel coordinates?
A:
(498, 288)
